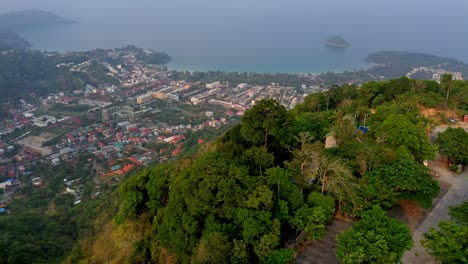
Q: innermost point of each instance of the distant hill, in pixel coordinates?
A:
(397, 63)
(31, 19)
(11, 40)
(414, 59)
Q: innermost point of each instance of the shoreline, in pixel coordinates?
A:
(363, 66)
(353, 73)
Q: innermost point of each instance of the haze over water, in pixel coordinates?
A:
(257, 35)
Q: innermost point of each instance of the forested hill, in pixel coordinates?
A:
(31, 19)
(11, 40)
(413, 59)
(256, 192)
(18, 21)
(394, 64)
(31, 72)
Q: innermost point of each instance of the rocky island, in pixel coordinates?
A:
(337, 42)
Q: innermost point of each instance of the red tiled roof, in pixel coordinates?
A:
(134, 160)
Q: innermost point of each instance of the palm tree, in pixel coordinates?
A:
(305, 159)
(335, 178)
(446, 83)
(331, 173)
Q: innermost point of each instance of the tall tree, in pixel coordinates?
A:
(397, 130)
(264, 123)
(404, 179)
(305, 159)
(453, 144)
(376, 238)
(447, 84)
(335, 178)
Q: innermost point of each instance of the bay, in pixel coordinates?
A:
(262, 37)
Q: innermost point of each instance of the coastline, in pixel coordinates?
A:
(311, 58)
(363, 66)
(320, 58)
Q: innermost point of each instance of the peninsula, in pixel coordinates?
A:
(11, 40)
(20, 21)
(31, 19)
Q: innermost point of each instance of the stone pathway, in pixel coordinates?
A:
(455, 196)
(323, 251)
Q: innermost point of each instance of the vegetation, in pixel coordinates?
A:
(386, 65)
(376, 238)
(404, 62)
(244, 202)
(150, 57)
(25, 72)
(268, 182)
(452, 143)
(43, 225)
(254, 193)
(11, 40)
(235, 78)
(449, 243)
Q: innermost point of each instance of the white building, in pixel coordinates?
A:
(213, 85)
(6, 183)
(44, 121)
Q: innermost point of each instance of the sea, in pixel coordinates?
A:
(265, 36)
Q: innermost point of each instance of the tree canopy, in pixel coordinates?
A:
(453, 144)
(449, 242)
(269, 182)
(376, 238)
(397, 130)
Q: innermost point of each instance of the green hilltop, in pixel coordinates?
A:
(268, 183)
(256, 192)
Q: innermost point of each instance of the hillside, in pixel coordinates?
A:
(31, 19)
(253, 194)
(23, 72)
(397, 63)
(250, 196)
(11, 40)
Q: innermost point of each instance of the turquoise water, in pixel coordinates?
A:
(263, 36)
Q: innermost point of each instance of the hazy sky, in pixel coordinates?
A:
(434, 11)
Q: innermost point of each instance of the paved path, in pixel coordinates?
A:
(323, 251)
(455, 196)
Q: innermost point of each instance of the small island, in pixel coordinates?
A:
(337, 42)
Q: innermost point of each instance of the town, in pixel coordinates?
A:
(131, 113)
(143, 116)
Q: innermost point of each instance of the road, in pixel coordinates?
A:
(457, 193)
